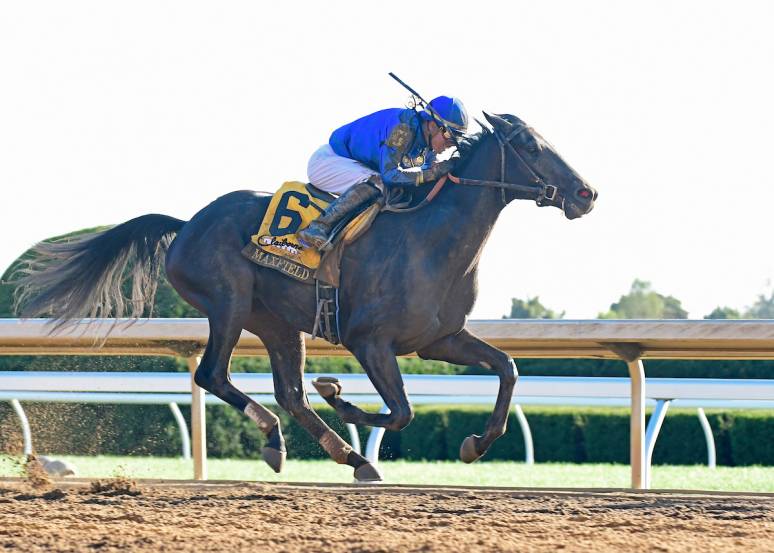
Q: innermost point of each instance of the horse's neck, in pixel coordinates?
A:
(462, 217)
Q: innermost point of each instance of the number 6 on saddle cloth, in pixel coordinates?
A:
(276, 245)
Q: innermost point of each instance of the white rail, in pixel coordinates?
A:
(631, 341)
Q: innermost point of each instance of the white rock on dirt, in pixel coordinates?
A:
(55, 467)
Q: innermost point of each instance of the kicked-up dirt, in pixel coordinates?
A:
(188, 516)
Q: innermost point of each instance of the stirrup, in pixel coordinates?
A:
(326, 246)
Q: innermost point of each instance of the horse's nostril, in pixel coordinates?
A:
(584, 193)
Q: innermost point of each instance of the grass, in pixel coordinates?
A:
(553, 475)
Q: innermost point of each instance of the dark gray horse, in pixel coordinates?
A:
(406, 286)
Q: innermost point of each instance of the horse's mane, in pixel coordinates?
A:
(468, 145)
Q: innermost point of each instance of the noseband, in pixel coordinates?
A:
(538, 190)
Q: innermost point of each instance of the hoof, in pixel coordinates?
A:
(468, 449)
(367, 473)
(327, 386)
(274, 458)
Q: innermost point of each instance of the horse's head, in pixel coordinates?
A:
(528, 155)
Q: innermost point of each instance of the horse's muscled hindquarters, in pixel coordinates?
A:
(419, 286)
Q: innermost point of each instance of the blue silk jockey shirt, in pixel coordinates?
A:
(388, 141)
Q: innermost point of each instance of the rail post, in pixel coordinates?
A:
(183, 428)
(25, 424)
(637, 425)
(631, 353)
(651, 435)
(198, 423)
(705, 426)
(529, 448)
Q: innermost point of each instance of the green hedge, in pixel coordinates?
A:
(751, 438)
(561, 434)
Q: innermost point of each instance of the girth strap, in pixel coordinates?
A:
(326, 320)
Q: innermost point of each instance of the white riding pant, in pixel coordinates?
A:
(335, 174)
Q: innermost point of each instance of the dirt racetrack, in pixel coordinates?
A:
(186, 516)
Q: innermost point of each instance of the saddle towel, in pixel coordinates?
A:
(333, 173)
(276, 245)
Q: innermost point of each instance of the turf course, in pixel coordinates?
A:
(553, 475)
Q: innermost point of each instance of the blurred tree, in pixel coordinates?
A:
(723, 313)
(644, 303)
(763, 308)
(531, 309)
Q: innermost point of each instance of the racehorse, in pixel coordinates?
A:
(406, 286)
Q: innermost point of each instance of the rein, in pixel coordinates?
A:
(540, 189)
(402, 207)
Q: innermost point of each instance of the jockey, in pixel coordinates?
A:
(392, 147)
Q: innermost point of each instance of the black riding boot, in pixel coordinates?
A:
(317, 234)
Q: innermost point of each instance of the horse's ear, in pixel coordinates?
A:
(497, 122)
(481, 124)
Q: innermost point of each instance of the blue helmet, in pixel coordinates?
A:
(448, 112)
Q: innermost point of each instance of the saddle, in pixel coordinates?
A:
(276, 245)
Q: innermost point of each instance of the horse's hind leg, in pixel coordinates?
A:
(465, 349)
(205, 267)
(213, 375)
(287, 352)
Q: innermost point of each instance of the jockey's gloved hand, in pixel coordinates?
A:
(446, 166)
(437, 170)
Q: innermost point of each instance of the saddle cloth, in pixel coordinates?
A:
(276, 245)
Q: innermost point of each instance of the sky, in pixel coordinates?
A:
(110, 110)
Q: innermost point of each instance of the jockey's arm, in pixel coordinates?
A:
(395, 175)
(392, 173)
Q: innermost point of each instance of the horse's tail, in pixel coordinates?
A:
(83, 277)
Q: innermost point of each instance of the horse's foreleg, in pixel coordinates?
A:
(382, 369)
(465, 349)
(286, 352)
(329, 389)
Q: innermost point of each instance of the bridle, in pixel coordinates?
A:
(538, 190)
